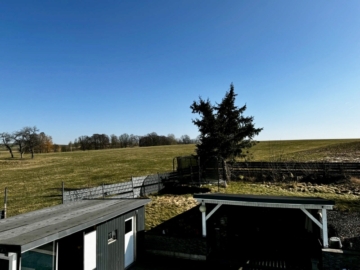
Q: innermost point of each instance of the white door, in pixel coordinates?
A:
(129, 241)
(90, 251)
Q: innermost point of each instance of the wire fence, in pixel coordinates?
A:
(252, 169)
(145, 185)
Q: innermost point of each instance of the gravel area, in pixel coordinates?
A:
(346, 226)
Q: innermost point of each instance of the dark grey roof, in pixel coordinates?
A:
(265, 201)
(36, 228)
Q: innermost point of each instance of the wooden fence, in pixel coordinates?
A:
(296, 168)
(136, 187)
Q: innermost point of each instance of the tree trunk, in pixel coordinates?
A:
(21, 150)
(226, 171)
(10, 150)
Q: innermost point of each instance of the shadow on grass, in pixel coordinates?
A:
(53, 196)
(157, 262)
(59, 192)
(65, 189)
(14, 158)
(181, 190)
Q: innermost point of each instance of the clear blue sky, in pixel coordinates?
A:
(75, 68)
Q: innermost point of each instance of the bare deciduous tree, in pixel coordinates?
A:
(124, 140)
(114, 141)
(134, 140)
(185, 139)
(20, 140)
(172, 139)
(45, 144)
(31, 138)
(7, 141)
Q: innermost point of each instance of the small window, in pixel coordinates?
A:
(112, 236)
(128, 226)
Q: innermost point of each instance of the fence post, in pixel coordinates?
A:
(5, 203)
(103, 191)
(62, 190)
(158, 181)
(132, 183)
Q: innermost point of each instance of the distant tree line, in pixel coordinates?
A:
(30, 140)
(27, 140)
(152, 139)
(103, 141)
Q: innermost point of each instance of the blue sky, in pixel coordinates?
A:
(75, 68)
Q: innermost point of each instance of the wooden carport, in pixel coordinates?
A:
(303, 203)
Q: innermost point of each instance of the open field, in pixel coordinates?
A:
(34, 184)
(307, 150)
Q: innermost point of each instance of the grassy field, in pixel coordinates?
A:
(34, 184)
(302, 150)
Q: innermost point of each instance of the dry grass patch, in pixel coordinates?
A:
(164, 207)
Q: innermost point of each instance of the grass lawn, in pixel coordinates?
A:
(35, 184)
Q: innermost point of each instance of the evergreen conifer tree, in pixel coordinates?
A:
(224, 131)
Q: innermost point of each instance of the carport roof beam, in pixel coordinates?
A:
(213, 211)
(265, 201)
(312, 217)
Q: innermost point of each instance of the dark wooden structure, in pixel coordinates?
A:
(190, 170)
(261, 230)
(89, 234)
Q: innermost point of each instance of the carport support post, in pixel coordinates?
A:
(203, 213)
(324, 228)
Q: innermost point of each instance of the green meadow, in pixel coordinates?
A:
(303, 150)
(36, 183)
